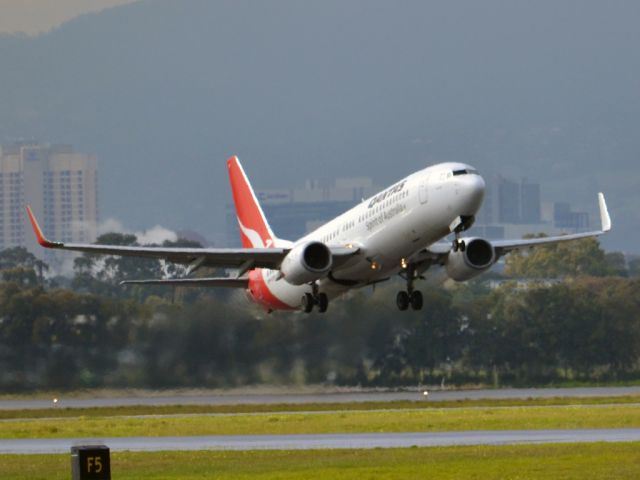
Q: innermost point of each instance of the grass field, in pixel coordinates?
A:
(567, 461)
(599, 460)
(345, 421)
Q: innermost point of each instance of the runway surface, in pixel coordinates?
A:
(301, 398)
(326, 441)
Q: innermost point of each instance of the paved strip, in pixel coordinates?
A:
(324, 441)
(339, 397)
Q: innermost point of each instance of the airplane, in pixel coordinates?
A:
(398, 231)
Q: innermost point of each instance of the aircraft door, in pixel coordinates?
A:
(422, 191)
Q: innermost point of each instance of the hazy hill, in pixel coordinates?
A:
(164, 91)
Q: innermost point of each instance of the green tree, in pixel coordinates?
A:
(102, 274)
(433, 335)
(19, 265)
(566, 259)
(616, 264)
(634, 267)
(614, 339)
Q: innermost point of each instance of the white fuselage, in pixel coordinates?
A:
(389, 228)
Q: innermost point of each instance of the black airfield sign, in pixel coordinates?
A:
(90, 462)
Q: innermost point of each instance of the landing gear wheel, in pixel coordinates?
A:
(402, 300)
(416, 300)
(323, 302)
(463, 246)
(307, 303)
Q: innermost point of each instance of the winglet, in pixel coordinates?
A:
(39, 235)
(605, 219)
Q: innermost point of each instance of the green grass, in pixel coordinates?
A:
(60, 412)
(417, 420)
(567, 461)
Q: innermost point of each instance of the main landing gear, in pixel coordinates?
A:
(410, 296)
(309, 300)
(413, 298)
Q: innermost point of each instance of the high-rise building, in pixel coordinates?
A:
(530, 205)
(508, 201)
(565, 217)
(58, 183)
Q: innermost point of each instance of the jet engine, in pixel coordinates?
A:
(306, 262)
(477, 257)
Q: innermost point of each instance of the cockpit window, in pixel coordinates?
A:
(465, 171)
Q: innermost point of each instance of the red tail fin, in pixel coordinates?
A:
(254, 229)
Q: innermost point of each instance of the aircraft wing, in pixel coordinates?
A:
(210, 257)
(242, 258)
(505, 246)
(437, 253)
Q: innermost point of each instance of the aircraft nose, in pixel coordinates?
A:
(473, 192)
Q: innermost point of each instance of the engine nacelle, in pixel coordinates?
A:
(478, 256)
(306, 263)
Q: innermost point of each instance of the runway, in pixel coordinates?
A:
(322, 441)
(334, 397)
(325, 441)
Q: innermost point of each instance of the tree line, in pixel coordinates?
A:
(557, 314)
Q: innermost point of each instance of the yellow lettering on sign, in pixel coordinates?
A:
(94, 464)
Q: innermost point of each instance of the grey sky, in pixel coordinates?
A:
(164, 91)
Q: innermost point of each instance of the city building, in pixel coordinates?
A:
(512, 209)
(58, 183)
(530, 206)
(565, 217)
(508, 201)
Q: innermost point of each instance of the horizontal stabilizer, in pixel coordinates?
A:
(193, 282)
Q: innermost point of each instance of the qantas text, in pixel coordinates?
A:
(387, 193)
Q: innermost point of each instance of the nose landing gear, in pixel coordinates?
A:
(458, 244)
(460, 224)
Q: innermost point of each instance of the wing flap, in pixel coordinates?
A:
(211, 257)
(193, 282)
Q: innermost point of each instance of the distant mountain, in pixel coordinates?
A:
(164, 91)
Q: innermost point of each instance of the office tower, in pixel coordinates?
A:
(530, 206)
(59, 184)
